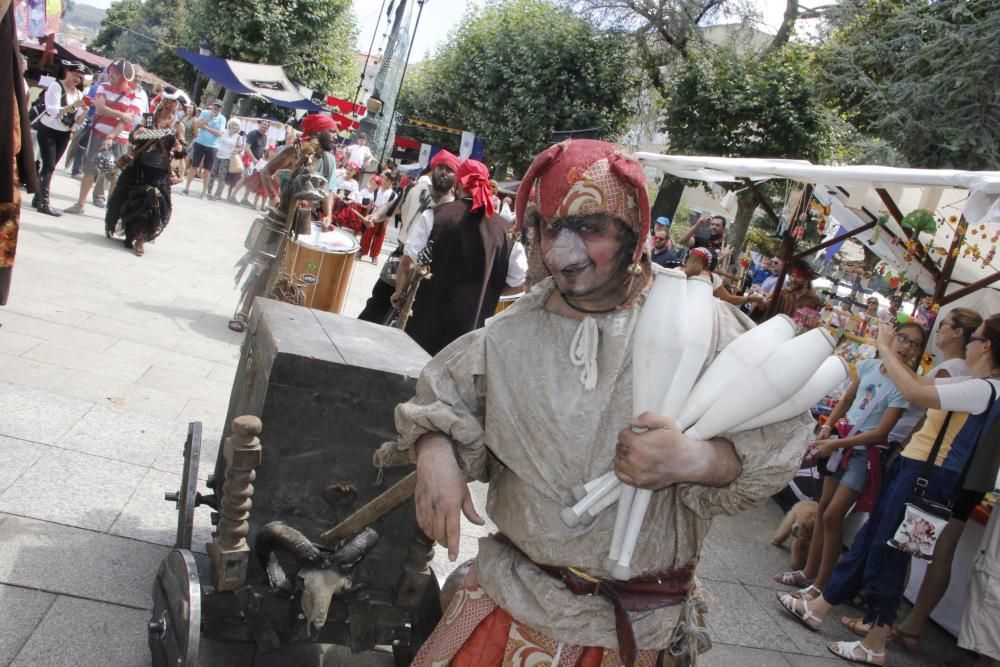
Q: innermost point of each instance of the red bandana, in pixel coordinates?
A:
(449, 160)
(475, 180)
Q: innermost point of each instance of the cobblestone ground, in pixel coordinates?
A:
(105, 357)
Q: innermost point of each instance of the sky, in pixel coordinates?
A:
(440, 16)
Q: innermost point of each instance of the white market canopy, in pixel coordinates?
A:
(859, 194)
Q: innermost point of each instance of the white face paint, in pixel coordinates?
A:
(585, 261)
(568, 251)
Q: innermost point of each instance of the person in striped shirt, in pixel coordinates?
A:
(117, 110)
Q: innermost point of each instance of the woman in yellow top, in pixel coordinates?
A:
(957, 405)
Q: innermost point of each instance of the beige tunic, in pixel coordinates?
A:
(513, 403)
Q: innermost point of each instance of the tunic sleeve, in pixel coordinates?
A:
(770, 457)
(451, 399)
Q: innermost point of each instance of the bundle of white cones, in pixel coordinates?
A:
(764, 376)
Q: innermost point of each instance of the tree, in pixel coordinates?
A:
(313, 39)
(917, 75)
(120, 16)
(757, 105)
(518, 70)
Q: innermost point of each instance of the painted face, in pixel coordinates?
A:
(442, 179)
(584, 254)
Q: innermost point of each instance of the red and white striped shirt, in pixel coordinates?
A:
(126, 102)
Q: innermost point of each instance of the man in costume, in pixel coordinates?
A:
(473, 263)
(541, 399)
(797, 291)
(430, 190)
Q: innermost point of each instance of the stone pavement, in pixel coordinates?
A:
(105, 357)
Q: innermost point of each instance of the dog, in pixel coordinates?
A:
(799, 524)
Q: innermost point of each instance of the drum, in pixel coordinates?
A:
(321, 265)
(505, 302)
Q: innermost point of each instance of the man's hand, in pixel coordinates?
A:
(395, 298)
(654, 458)
(442, 493)
(661, 455)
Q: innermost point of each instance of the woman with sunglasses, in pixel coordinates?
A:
(957, 408)
(852, 464)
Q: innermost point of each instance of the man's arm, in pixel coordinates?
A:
(442, 494)
(688, 238)
(104, 110)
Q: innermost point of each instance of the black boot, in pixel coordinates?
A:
(43, 201)
(35, 201)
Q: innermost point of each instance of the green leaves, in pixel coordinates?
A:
(517, 70)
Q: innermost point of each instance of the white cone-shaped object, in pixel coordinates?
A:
(657, 346)
(580, 491)
(571, 515)
(767, 385)
(621, 522)
(734, 361)
(832, 372)
(700, 320)
(604, 503)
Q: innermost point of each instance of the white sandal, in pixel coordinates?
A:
(809, 593)
(845, 650)
(788, 603)
(793, 578)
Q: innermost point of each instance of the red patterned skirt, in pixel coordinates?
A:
(475, 632)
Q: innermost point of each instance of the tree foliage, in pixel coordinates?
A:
(920, 76)
(515, 71)
(146, 33)
(756, 105)
(120, 15)
(313, 39)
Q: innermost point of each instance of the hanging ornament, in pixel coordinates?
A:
(920, 220)
(989, 257)
(879, 224)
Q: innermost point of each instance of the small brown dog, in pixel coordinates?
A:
(799, 523)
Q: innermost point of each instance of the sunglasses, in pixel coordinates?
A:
(907, 340)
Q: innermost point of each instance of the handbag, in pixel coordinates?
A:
(923, 518)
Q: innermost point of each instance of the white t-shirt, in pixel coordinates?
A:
(964, 394)
(365, 194)
(351, 186)
(358, 154)
(53, 102)
(420, 234)
(383, 197)
(904, 426)
(227, 145)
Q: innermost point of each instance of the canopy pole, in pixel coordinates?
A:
(897, 215)
(787, 243)
(835, 240)
(958, 294)
(949, 263)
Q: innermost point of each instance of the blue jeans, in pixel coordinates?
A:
(872, 565)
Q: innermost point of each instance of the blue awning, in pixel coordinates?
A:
(267, 81)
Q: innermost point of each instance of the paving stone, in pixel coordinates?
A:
(171, 459)
(727, 655)
(23, 372)
(83, 632)
(165, 340)
(735, 617)
(106, 391)
(711, 566)
(7, 317)
(16, 344)
(804, 640)
(797, 660)
(224, 373)
(27, 608)
(148, 517)
(188, 386)
(74, 561)
(212, 415)
(107, 363)
(115, 433)
(63, 334)
(174, 361)
(73, 489)
(44, 310)
(17, 456)
(225, 351)
(40, 416)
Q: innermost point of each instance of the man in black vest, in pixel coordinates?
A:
(473, 263)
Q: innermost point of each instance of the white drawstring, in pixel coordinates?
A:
(583, 351)
(555, 658)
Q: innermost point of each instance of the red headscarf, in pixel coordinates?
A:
(583, 176)
(315, 123)
(449, 160)
(475, 180)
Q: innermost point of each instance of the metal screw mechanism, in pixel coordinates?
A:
(158, 627)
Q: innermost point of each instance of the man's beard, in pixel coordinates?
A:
(440, 187)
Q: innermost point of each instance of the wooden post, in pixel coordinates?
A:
(949, 261)
(229, 553)
(787, 245)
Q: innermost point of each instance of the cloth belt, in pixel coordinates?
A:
(651, 591)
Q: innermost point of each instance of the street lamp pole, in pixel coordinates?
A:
(204, 49)
(402, 78)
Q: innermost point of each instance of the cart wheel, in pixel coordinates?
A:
(403, 655)
(175, 626)
(187, 497)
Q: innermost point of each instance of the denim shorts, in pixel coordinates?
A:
(855, 474)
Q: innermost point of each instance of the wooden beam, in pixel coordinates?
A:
(897, 215)
(949, 262)
(979, 284)
(787, 244)
(834, 240)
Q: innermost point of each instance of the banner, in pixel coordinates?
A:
(468, 140)
(425, 154)
(267, 81)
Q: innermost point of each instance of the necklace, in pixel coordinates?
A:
(587, 310)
